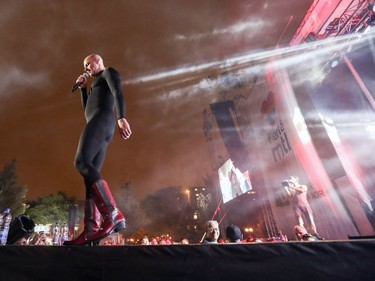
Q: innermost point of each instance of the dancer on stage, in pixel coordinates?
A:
(102, 217)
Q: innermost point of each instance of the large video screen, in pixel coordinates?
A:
(233, 182)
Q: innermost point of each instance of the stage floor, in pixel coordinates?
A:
(322, 260)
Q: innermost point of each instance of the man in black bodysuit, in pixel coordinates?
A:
(102, 217)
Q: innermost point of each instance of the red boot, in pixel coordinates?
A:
(113, 220)
(91, 224)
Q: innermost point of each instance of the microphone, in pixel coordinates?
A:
(76, 85)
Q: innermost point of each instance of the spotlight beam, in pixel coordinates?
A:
(253, 62)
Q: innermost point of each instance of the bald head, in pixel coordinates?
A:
(93, 64)
(94, 57)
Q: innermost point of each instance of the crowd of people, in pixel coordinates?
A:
(233, 234)
(212, 235)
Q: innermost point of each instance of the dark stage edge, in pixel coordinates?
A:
(323, 260)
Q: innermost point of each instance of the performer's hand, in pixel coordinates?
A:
(124, 128)
(83, 81)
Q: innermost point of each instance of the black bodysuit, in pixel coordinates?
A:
(105, 95)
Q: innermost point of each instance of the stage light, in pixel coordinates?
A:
(249, 229)
(334, 63)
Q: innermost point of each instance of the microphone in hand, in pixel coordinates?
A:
(77, 84)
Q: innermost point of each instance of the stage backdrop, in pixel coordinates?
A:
(288, 123)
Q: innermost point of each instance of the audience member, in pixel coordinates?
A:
(168, 241)
(145, 241)
(250, 239)
(108, 242)
(212, 232)
(40, 239)
(281, 237)
(154, 241)
(22, 241)
(233, 234)
(184, 241)
(162, 242)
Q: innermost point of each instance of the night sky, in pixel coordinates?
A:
(165, 51)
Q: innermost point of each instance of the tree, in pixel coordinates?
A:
(50, 209)
(12, 195)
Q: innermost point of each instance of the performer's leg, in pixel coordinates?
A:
(92, 217)
(313, 227)
(90, 154)
(312, 223)
(113, 220)
(97, 164)
(89, 160)
(298, 214)
(300, 221)
(309, 215)
(91, 224)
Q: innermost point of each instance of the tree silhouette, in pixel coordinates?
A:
(12, 195)
(50, 209)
